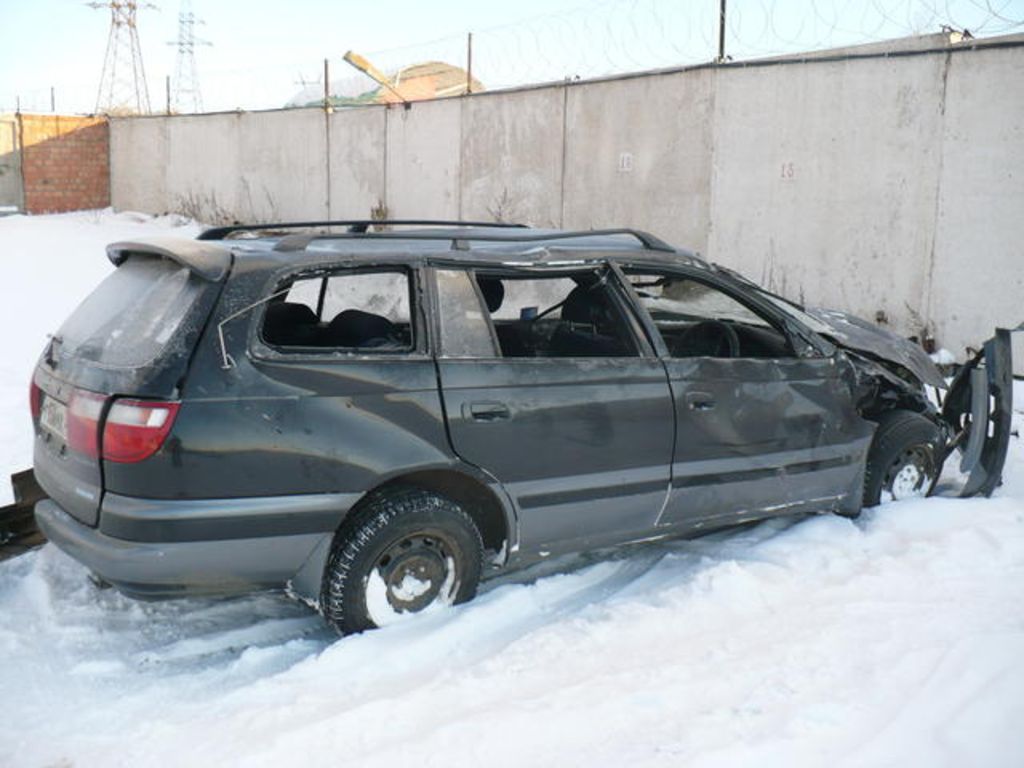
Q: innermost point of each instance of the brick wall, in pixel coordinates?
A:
(65, 163)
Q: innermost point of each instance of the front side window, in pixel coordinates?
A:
(354, 310)
(699, 320)
(573, 315)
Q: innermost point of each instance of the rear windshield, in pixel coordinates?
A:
(134, 316)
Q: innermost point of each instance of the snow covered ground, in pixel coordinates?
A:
(897, 639)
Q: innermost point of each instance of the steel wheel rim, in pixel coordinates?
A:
(418, 571)
(910, 476)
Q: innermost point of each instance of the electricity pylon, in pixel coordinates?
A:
(123, 82)
(187, 97)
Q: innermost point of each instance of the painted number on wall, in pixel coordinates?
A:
(788, 172)
(625, 162)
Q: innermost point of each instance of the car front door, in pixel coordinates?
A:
(549, 386)
(761, 430)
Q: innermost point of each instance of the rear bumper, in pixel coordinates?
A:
(151, 569)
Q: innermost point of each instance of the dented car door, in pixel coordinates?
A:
(763, 437)
(765, 422)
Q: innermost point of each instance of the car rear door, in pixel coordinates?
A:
(579, 429)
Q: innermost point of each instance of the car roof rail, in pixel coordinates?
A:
(355, 226)
(460, 240)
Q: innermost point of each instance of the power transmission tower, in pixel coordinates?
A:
(123, 82)
(187, 97)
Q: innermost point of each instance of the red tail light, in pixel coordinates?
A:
(35, 399)
(135, 429)
(84, 412)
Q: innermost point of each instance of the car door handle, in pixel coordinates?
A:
(487, 411)
(700, 401)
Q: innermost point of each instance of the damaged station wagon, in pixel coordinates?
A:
(375, 420)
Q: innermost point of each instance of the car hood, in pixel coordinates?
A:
(860, 335)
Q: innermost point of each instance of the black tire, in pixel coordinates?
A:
(906, 451)
(397, 534)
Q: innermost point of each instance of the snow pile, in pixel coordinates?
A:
(895, 640)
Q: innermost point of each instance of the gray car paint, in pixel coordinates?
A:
(173, 569)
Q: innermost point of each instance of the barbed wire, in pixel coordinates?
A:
(599, 39)
(608, 38)
(619, 36)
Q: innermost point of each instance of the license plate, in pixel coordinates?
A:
(54, 418)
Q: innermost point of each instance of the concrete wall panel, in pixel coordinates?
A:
(203, 166)
(825, 181)
(423, 160)
(282, 170)
(357, 143)
(138, 165)
(977, 278)
(638, 154)
(512, 157)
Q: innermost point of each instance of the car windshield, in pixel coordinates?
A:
(796, 312)
(790, 308)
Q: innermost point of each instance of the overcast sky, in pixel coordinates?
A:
(262, 51)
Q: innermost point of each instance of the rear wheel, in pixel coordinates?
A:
(404, 551)
(904, 460)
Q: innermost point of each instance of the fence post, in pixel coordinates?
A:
(327, 86)
(721, 30)
(469, 62)
(327, 137)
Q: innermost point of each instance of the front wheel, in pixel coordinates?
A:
(904, 460)
(404, 551)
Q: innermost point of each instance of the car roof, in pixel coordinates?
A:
(485, 244)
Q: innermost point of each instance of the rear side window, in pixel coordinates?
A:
(366, 310)
(135, 315)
